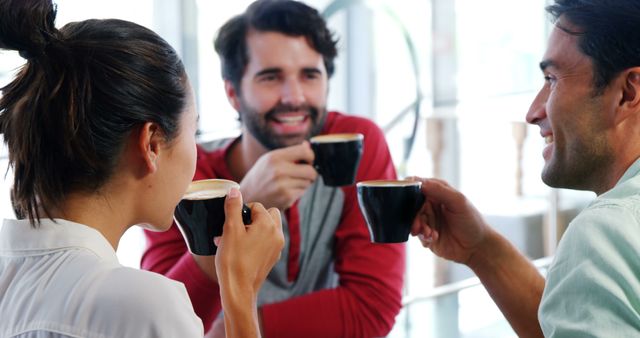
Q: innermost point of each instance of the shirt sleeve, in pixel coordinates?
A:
(369, 293)
(167, 254)
(592, 287)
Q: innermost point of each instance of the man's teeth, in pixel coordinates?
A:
(290, 119)
(548, 139)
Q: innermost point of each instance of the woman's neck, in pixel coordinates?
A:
(100, 211)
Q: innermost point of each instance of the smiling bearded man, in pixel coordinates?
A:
(331, 281)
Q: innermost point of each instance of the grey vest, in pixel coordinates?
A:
(320, 209)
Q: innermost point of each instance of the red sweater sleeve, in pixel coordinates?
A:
(167, 254)
(371, 275)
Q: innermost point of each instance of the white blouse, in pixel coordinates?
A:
(63, 279)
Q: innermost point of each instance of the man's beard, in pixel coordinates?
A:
(581, 167)
(257, 123)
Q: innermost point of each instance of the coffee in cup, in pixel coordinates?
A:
(389, 208)
(337, 157)
(200, 214)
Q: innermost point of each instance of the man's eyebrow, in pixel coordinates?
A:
(546, 64)
(311, 70)
(268, 71)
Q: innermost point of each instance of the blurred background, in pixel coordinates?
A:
(449, 81)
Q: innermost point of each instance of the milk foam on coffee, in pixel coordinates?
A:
(330, 138)
(385, 183)
(204, 194)
(207, 189)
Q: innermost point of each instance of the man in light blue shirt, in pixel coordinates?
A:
(588, 112)
(594, 283)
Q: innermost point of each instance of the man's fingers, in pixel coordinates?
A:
(298, 185)
(440, 193)
(428, 237)
(416, 227)
(425, 218)
(429, 215)
(304, 172)
(298, 153)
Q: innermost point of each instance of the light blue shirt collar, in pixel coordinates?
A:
(628, 184)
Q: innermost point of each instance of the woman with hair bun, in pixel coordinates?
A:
(100, 127)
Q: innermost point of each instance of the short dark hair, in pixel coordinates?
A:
(284, 16)
(85, 88)
(608, 33)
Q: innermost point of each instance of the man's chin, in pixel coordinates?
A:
(288, 141)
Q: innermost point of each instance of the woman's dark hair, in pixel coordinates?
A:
(84, 88)
(608, 33)
(284, 16)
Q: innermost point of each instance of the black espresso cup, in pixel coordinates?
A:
(200, 214)
(337, 157)
(389, 207)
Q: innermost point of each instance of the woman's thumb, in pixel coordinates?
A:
(233, 210)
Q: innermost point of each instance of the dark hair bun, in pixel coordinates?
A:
(27, 25)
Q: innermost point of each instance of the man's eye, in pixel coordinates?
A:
(268, 78)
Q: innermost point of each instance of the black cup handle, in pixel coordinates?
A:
(421, 199)
(246, 215)
(316, 166)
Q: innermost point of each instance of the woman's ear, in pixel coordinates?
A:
(149, 145)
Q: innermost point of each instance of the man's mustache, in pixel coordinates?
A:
(287, 108)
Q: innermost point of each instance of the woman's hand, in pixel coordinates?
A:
(245, 256)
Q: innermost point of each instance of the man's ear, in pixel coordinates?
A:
(150, 141)
(232, 94)
(631, 90)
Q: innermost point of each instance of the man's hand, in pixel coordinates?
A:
(448, 224)
(453, 229)
(280, 177)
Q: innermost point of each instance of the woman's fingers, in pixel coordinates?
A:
(233, 211)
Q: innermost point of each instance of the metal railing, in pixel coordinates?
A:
(461, 309)
(541, 264)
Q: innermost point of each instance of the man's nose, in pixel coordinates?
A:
(537, 110)
(293, 93)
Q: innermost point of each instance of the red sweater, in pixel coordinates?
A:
(370, 276)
